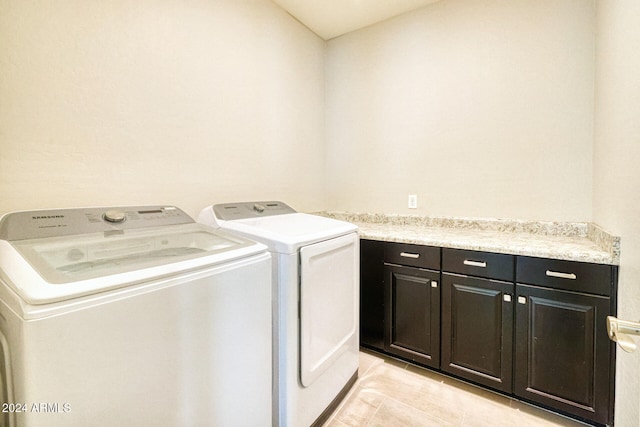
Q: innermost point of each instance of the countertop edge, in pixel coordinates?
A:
(571, 241)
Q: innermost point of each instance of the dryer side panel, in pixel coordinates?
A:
(329, 303)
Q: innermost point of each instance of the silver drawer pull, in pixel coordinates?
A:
(409, 255)
(561, 275)
(475, 263)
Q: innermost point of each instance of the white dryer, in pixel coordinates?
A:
(132, 316)
(316, 291)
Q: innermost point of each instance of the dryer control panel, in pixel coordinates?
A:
(65, 222)
(231, 211)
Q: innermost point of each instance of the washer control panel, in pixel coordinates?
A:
(243, 210)
(64, 222)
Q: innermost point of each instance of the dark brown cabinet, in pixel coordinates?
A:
(477, 317)
(412, 302)
(530, 327)
(477, 330)
(413, 310)
(563, 356)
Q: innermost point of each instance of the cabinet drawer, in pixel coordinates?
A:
(412, 255)
(481, 264)
(567, 275)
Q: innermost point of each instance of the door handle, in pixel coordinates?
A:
(620, 331)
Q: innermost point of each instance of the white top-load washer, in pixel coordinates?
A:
(316, 291)
(132, 316)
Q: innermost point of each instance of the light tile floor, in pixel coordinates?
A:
(392, 393)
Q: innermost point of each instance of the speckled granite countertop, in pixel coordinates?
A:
(573, 241)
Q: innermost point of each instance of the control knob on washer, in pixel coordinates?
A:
(258, 208)
(114, 216)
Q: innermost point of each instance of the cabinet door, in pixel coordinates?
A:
(563, 351)
(477, 330)
(413, 314)
(371, 294)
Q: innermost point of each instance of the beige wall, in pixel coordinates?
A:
(146, 101)
(480, 107)
(617, 172)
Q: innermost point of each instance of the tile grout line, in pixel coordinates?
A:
(370, 420)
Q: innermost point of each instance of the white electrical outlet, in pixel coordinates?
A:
(413, 201)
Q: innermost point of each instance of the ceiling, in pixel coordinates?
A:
(332, 18)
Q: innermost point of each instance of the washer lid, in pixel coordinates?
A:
(286, 233)
(63, 266)
(62, 260)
